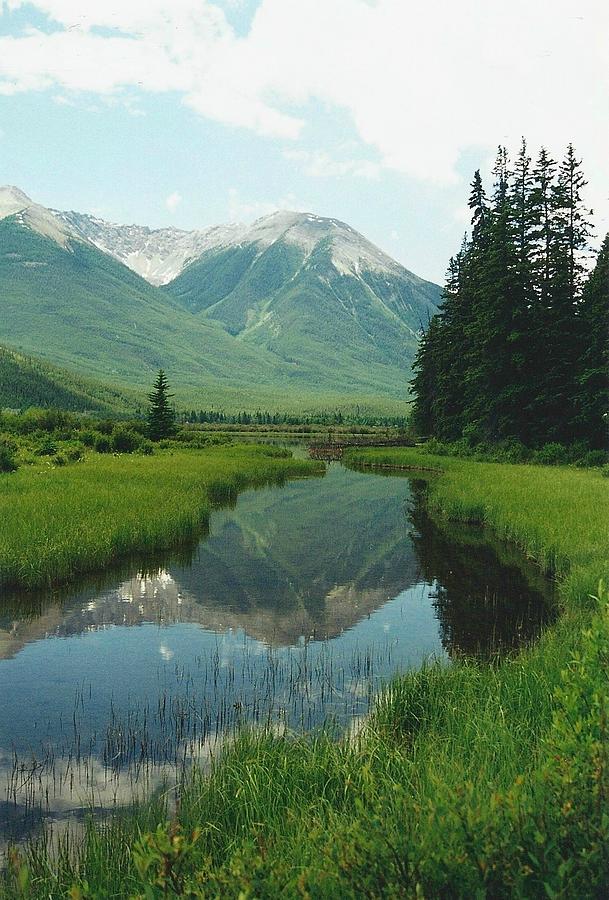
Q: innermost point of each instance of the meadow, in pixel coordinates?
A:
(468, 780)
(57, 522)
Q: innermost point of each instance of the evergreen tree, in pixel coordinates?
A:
(161, 415)
(500, 316)
(473, 374)
(511, 353)
(425, 382)
(593, 394)
(558, 387)
(524, 349)
(542, 202)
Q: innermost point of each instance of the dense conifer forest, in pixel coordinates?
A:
(520, 349)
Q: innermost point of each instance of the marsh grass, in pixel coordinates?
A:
(468, 780)
(56, 523)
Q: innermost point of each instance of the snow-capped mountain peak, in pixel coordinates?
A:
(160, 255)
(13, 202)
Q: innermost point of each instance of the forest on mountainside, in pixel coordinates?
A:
(520, 350)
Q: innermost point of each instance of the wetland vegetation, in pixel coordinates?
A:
(356, 685)
(56, 522)
(488, 774)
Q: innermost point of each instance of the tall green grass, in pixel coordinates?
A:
(56, 523)
(557, 515)
(469, 780)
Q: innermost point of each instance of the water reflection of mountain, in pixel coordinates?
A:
(309, 559)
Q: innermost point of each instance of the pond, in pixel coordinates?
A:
(297, 606)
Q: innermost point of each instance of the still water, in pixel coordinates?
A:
(291, 613)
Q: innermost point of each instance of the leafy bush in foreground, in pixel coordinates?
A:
(7, 458)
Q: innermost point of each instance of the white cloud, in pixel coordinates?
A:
(166, 653)
(422, 83)
(463, 215)
(173, 201)
(240, 210)
(319, 164)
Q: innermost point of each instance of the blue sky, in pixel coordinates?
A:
(198, 112)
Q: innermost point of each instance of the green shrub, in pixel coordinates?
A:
(125, 440)
(438, 448)
(592, 459)
(552, 454)
(7, 458)
(48, 420)
(74, 453)
(513, 451)
(88, 437)
(60, 459)
(473, 436)
(103, 444)
(605, 471)
(46, 447)
(146, 447)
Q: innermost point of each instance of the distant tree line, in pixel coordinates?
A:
(519, 349)
(265, 417)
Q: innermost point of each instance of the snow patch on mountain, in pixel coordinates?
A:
(350, 252)
(160, 255)
(14, 202)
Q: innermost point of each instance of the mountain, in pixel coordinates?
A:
(313, 289)
(157, 255)
(26, 381)
(65, 300)
(295, 311)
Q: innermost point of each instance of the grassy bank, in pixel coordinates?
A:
(469, 781)
(57, 522)
(557, 515)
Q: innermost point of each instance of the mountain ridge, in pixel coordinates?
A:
(180, 247)
(292, 310)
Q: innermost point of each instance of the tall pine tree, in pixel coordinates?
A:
(510, 354)
(593, 377)
(161, 415)
(557, 384)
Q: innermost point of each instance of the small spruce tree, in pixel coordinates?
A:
(161, 415)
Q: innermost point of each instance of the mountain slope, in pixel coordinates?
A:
(26, 381)
(313, 291)
(65, 300)
(158, 255)
(294, 312)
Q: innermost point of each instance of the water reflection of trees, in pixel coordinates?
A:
(487, 596)
(310, 560)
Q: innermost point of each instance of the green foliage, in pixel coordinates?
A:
(58, 522)
(7, 457)
(520, 348)
(593, 375)
(552, 454)
(469, 780)
(161, 415)
(513, 451)
(125, 440)
(593, 458)
(102, 443)
(160, 858)
(27, 382)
